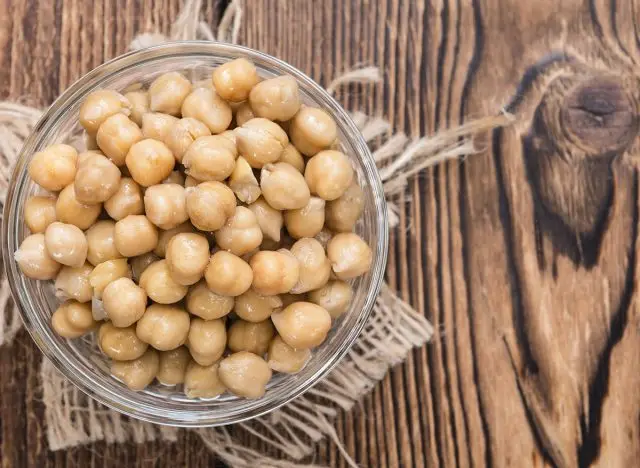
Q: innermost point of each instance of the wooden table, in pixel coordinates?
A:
(524, 257)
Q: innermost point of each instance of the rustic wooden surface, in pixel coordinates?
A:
(527, 251)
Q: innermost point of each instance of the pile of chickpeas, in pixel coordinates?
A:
(207, 234)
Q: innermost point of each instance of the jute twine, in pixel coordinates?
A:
(393, 330)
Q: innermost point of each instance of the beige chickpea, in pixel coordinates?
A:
(150, 162)
(350, 256)
(121, 344)
(116, 136)
(203, 381)
(210, 158)
(283, 358)
(164, 327)
(243, 182)
(176, 177)
(135, 235)
(156, 125)
(73, 319)
(73, 283)
(315, 267)
(190, 181)
(165, 236)
(139, 101)
(253, 307)
(156, 280)
(138, 373)
(243, 114)
(307, 221)
(291, 155)
(250, 336)
(124, 302)
(274, 272)
(88, 154)
(343, 212)
(39, 212)
(335, 297)
(312, 130)
(205, 105)
(245, 374)
(329, 174)
(284, 187)
(66, 244)
(235, 79)
(99, 106)
(182, 134)
(227, 274)
(106, 272)
(210, 205)
(168, 92)
(241, 233)
(207, 340)
(140, 263)
(206, 304)
(261, 141)
(269, 219)
(97, 180)
(127, 200)
(187, 257)
(302, 325)
(54, 167)
(166, 205)
(173, 366)
(101, 242)
(276, 98)
(71, 211)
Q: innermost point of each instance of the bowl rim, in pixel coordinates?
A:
(92, 79)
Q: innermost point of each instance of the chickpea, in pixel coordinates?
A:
(135, 235)
(127, 200)
(166, 236)
(312, 130)
(241, 233)
(168, 92)
(66, 244)
(182, 133)
(243, 114)
(73, 319)
(140, 263)
(99, 106)
(73, 283)
(39, 212)
(233, 80)
(106, 272)
(164, 327)
(328, 174)
(243, 182)
(150, 162)
(173, 366)
(284, 358)
(250, 336)
(116, 136)
(292, 156)
(302, 325)
(350, 256)
(206, 304)
(269, 219)
(101, 242)
(210, 158)
(139, 373)
(261, 141)
(227, 274)
(203, 381)
(156, 125)
(205, 105)
(156, 280)
(210, 205)
(54, 167)
(343, 212)
(82, 157)
(276, 98)
(190, 182)
(187, 257)
(334, 297)
(307, 221)
(139, 105)
(283, 187)
(231, 136)
(207, 340)
(176, 177)
(97, 180)
(69, 210)
(166, 205)
(315, 267)
(253, 307)
(124, 302)
(121, 344)
(274, 272)
(245, 374)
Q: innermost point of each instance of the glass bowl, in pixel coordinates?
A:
(80, 360)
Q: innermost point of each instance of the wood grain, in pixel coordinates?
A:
(523, 256)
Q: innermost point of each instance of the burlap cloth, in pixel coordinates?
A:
(393, 330)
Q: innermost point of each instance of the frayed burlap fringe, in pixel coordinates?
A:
(393, 330)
